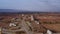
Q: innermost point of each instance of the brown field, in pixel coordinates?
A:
(26, 25)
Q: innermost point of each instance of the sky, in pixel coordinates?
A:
(31, 5)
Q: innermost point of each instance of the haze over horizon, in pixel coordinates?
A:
(31, 5)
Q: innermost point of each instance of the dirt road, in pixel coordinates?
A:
(26, 28)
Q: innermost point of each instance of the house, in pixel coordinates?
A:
(12, 24)
(49, 32)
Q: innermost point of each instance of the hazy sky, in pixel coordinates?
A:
(33, 5)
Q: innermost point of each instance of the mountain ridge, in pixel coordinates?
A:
(7, 11)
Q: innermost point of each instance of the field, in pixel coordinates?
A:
(30, 23)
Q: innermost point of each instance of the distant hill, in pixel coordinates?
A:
(8, 10)
(13, 11)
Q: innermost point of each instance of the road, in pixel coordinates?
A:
(26, 27)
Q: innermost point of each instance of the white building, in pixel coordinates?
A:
(49, 32)
(32, 18)
(36, 22)
(12, 24)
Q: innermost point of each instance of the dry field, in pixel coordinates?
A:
(29, 23)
